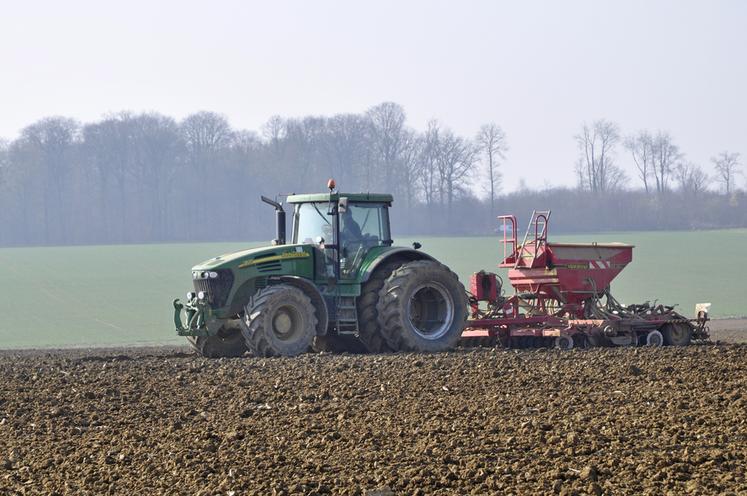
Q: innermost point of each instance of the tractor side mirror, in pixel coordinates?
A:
(342, 205)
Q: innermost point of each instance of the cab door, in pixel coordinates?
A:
(363, 226)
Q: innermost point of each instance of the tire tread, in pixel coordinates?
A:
(390, 310)
(254, 332)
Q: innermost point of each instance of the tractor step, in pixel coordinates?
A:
(346, 316)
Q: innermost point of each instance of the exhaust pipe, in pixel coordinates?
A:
(279, 221)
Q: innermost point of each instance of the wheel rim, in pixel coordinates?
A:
(285, 323)
(430, 311)
(655, 339)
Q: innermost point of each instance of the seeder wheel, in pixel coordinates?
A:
(654, 339)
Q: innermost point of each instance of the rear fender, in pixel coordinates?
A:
(403, 254)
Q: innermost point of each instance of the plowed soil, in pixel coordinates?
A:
(489, 421)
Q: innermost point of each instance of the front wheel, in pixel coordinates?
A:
(422, 307)
(279, 321)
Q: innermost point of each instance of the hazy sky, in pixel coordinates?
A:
(539, 69)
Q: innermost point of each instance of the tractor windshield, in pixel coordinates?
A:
(362, 224)
(311, 222)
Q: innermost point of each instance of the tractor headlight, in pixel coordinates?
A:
(201, 295)
(207, 274)
(190, 296)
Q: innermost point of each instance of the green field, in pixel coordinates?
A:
(121, 295)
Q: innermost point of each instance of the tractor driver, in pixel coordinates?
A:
(351, 231)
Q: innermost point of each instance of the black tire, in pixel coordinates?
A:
(369, 331)
(422, 307)
(676, 334)
(228, 343)
(279, 321)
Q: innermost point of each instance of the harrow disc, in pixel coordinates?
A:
(564, 342)
(676, 333)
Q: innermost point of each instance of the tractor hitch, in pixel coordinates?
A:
(197, 314)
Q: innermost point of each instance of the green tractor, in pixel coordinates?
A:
(339, 285)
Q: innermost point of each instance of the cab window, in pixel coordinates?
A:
(310, 222)
(364, 224)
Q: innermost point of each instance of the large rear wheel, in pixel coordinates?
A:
(422, 307)
(227, 343)
(279, 321)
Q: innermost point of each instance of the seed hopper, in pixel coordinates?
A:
(561, 297)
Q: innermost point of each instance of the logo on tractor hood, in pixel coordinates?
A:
(273, 258)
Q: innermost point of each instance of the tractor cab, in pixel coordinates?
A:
(343, 227)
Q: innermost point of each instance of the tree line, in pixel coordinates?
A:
(660, 164)
(136, 178)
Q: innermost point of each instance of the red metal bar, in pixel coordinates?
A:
(539, 237)
(517, 321)
(509, 257)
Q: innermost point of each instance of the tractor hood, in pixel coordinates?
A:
(232, 260)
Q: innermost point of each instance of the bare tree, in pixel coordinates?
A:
(205, 132)
(274, 131)
(410, 165)
(428, 158)
(303, 145)
(691, 180)
(108, 146)
(456, 159)
(665, 155)
(157, 151)
(641, 147)
(491, 141)
(595, 168)
(246, 141)
(206, 136)
(46, 148)
(387, 130)
(727, 167)
(344, 145)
